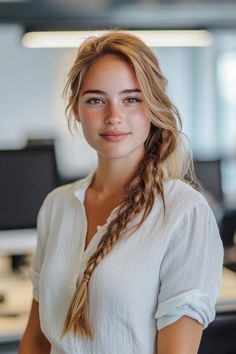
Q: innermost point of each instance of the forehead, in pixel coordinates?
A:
(109, 70)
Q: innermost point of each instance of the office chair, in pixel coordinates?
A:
(219, 337)
(228, 233)
(228, 228)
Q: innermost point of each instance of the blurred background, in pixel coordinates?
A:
(195, 42)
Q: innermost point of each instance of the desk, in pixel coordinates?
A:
(14, 311)
(19, 293)
(17, 241)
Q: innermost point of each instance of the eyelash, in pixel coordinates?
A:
(135, 99)
(127, 99)
(90, 100)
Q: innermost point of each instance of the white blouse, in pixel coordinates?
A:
(166, 269)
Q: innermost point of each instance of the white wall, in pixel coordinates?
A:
(31, 104)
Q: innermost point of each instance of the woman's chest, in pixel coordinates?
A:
(132, 264)
(97, 213)
(125, 280)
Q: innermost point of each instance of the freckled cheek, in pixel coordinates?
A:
(91, 125)
(91, 115)
(146, 126)
(140, 120)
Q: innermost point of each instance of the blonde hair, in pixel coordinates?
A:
(166, 155)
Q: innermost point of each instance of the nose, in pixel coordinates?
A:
(113, 115)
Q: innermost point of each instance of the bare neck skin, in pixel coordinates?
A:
(112, 175)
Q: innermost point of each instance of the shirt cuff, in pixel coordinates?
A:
(193, 303)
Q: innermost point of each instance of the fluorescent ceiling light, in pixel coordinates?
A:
(2, 1)
(153, 38)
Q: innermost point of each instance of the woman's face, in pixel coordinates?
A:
(111, 110)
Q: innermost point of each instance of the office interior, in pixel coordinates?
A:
(38, 152)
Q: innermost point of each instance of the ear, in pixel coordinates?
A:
(76, 113)
(74, 107)
(77, 117)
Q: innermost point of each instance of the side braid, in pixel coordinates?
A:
(139, 197)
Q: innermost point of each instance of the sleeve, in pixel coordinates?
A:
(191, 270)
(37, 260)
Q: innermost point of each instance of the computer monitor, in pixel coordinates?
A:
(26, 176)
(208, 173)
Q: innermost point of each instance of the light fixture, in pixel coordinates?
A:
(14, 1)
(153, 38)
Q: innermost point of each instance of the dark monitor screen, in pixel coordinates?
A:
(26, 176)
(209, 174)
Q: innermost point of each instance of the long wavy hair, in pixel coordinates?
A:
(167, 155)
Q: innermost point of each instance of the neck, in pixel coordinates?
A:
(113, 175)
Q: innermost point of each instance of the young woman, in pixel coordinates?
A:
(129, 259)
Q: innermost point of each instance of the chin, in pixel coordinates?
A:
(132, 154)
(113, 156)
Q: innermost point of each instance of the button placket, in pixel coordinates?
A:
(93, 243)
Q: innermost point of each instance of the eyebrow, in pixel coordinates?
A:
(99, 92)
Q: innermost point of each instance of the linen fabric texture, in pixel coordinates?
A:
(170, 267)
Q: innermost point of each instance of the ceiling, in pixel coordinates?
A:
(129, 14)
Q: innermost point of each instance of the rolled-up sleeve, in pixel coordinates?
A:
(37, 260)
(191, 270)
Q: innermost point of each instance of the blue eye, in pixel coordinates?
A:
(94, 101)
(132, 100)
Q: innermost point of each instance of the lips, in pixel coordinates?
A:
(114, 136)
(114, 133)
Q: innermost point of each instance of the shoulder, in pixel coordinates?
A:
(63, 195)
(66, 190)
(183, 201)
(189, 216)
(182, 195)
